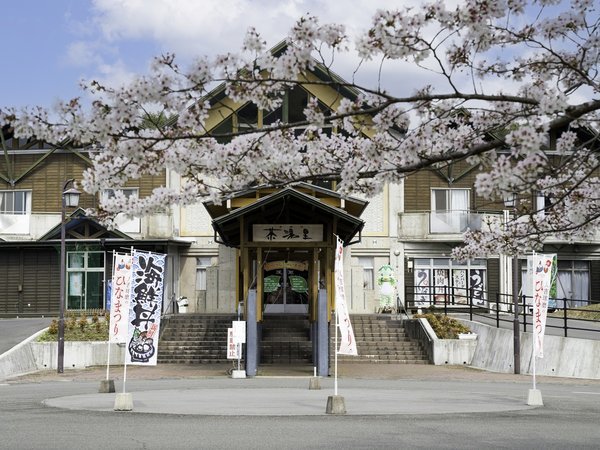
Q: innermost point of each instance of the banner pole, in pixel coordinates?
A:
(535, 313)
(335, 383)
(108, 360)
(534, 358)
(128, 325)
(108, 357)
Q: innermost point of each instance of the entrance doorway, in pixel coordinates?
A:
(286, 287)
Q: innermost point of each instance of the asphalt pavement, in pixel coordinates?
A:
(387, 406)
(367, 389)
(14, 331)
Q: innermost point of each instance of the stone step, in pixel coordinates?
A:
(192, 360)
(383, 361)
(285, 339)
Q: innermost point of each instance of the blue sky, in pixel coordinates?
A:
(50, 45)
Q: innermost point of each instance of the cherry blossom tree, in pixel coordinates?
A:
(515, 89)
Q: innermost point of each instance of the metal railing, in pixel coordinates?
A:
(498, 310)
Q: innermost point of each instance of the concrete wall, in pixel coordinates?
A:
(29, 356)
(563, 357)
(448, 351)
(20, 359)
(78, 355)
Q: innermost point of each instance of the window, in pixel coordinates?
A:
(449, 210)
(441, 280)
(15, 202)
(368, 266)
(572, 283)
(127, 225)
(202, 264)
(128, 192)
(542, 202)
(85, 280)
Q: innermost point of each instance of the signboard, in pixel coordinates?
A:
(287, 233)
(233, 349)
(347, 342)
(147, 279)
(298, 284)
(294, 265)
(271, 283)
(239, 331)
(119, 299)
(540, 268)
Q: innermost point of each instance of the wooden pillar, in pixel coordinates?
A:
(313, 287)
(245, 278)
(259, 284)
(329, 280)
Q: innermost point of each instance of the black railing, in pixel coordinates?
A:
(498, 309)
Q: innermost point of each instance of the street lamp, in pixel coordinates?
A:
(70, 198)
(512, 202)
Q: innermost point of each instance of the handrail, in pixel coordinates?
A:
(478, 303)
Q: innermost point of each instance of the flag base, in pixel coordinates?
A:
(124, 402)
(534, 398)
(335, 405)
(107, 386)
(314, 383)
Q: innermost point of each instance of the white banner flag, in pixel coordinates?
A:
(147, 279)
(347, 342)
(119, 299)
(540, 268)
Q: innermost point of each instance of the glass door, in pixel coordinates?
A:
(85, 280)
(286, 288)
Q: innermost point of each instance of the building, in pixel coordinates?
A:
(218, 254)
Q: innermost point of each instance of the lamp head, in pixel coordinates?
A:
(71, 197)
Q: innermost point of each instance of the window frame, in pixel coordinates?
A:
(26, 201)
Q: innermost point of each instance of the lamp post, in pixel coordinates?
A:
(512, 202)
(70, 198)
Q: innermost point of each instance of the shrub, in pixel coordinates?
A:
(71, 322)
(53, 328)
(82, 322)
(77, 330)
(445, 327)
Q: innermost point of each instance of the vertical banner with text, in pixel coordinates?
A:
(119, 301)
(147, 280)
(347, 342)
(540, 268)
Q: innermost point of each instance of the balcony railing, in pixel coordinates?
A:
(498, 309)
(428, 224)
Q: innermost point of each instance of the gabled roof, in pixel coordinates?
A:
(320, 71)
(82, 227)
(286, 206)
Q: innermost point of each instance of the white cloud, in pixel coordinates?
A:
(83, 54)
(192, 27)
(209, 27)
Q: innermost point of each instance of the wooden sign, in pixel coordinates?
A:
(287, 233)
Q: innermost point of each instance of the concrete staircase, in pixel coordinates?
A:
(194, 339)
(380, 340)
(202, 339)
(285, 340)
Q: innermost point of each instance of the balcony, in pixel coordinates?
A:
(17, 224)
(433, 225)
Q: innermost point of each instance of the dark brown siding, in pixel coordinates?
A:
(9, 282)
(493, 279)
(595, 281)
(41, 285)
(29, 281)
(417, 187)
(47, 179)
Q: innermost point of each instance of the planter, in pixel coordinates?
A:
(467, 336)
